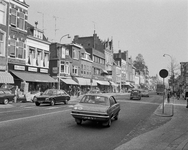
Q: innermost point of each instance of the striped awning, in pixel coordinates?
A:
(6, 77)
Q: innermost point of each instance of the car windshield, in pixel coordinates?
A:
(50, 92)
(94, 99)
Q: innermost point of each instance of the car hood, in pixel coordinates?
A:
(91, 107)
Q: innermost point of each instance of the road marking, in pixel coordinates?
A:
(138, 102)
(52, 107)
(30, 117)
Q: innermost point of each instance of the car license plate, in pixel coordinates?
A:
(87, 117)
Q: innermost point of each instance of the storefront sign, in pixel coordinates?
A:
(44, 70)
(55, 69)
(17, 67)
(2, 67)
(32, 69)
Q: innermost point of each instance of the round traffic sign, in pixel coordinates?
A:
(163, 73)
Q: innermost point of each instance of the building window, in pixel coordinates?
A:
(13, 17)
(31, 56)
(65, 68)
(17, 18)
(75, 54)
(2, 13)
(46, 60)
(20, 51)
(20, 20)
(2, 44)
(75, 70)
(39, 57)
(12, 48)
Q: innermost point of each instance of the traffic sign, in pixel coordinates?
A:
(163, 73)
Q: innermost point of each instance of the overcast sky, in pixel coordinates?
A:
(149, 27)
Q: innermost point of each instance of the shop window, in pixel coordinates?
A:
(2, 43)
(2, 13)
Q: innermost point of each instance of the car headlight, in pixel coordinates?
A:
(34, 99)
(78, 108)
(47, 99)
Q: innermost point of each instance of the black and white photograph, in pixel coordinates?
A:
(93, 74)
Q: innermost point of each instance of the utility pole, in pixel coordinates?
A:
(55, 25)
(42, 20)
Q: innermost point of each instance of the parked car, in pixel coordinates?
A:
(6, 96)
(144, 93)
(135, 94)
(52, 96)
(96, 107)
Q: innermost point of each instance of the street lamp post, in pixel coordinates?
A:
(172, 80)
(59, 61)
(172, 72)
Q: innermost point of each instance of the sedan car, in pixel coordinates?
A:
(52, 96)
(94, 91)
(6, 96)
(96, 107)
(135, 94)
(144, 93)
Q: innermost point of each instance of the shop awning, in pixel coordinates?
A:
(103, 82)
(113, 84)
(6, 77)
(33, 77)
(69, 81)
(83, 81)
(94, 83)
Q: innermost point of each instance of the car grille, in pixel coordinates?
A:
(41, 99)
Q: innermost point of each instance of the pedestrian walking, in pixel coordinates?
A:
(168, 95)
(186, 96)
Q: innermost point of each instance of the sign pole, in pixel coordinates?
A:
(163, 96)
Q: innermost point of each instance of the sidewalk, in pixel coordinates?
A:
(171, 136)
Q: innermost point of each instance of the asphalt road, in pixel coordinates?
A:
(27, 127)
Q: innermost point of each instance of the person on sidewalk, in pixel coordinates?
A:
(168, 95)
(186, 96)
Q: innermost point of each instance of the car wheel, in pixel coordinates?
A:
(52, 103)
(65, 102)
(116, 117)
(108, 123)
(78, 121)
(37, 104)
(5, 101)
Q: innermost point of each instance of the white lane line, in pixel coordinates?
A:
(52, 107)
(30, 117)
(138, 102)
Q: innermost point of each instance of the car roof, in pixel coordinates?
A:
(101, 94)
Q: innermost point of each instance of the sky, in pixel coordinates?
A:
(148, 27)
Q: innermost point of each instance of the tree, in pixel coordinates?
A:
(140, 65)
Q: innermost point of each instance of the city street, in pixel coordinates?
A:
(27, 127)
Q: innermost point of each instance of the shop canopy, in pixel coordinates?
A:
(113, 84)
(33, 77)
(103, 82)
(94, 83)
(83, 81)
(69, 81)
(6, 77)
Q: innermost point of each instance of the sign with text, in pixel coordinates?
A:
(44, 70)
(17, 67)
(32, 69)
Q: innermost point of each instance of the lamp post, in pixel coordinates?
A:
(59, 62)
(172, 80)
(172, 72)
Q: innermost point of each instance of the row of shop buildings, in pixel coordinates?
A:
(29, 61)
